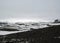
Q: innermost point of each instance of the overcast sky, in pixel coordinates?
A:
(30, 9)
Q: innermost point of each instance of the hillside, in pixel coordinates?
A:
(45, 35)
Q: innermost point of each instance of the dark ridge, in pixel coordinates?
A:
(4, 29)
(45, 35)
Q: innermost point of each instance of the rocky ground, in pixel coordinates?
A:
(46, 35)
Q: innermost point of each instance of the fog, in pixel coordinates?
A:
(47, 10)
